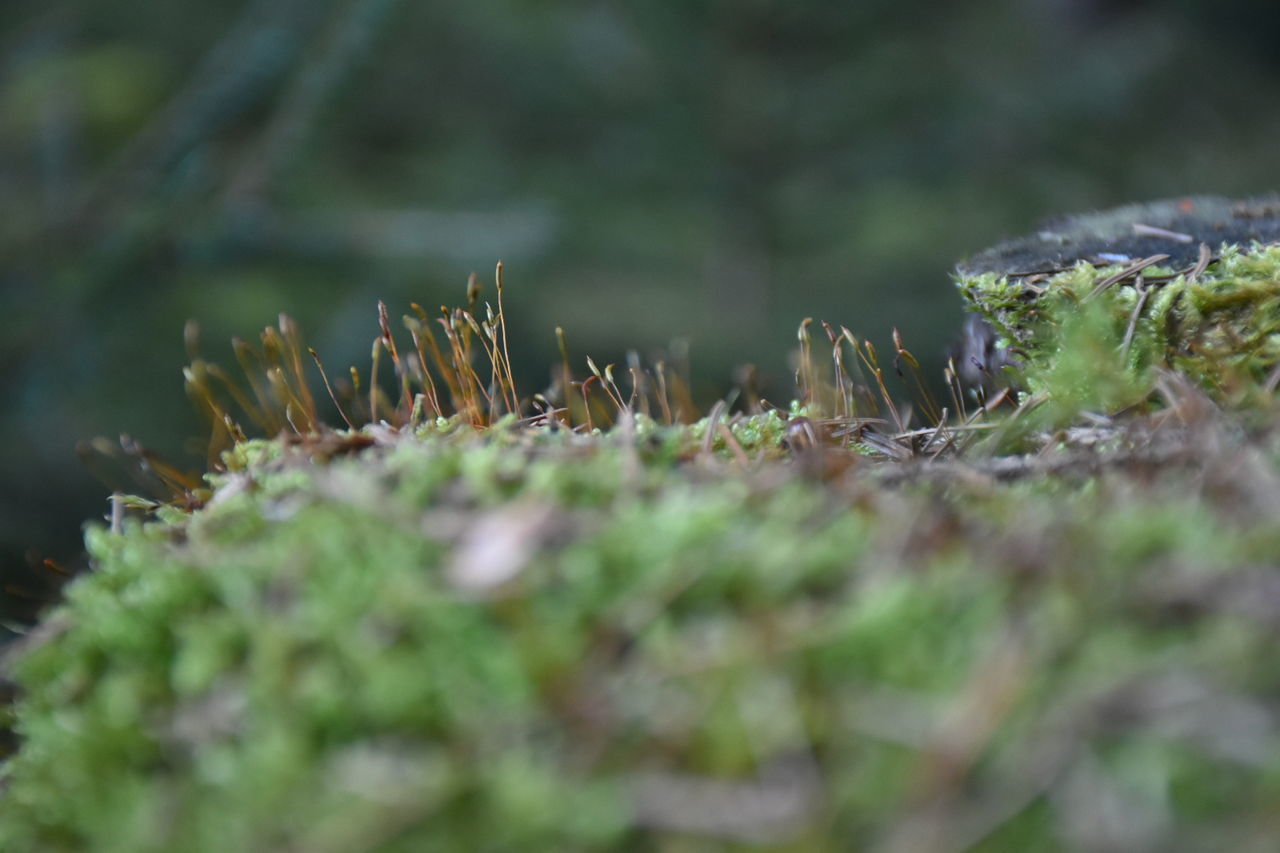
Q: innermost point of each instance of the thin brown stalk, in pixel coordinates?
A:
(373, 379)
(497, 387)
(586, 400)
(455, 331)
(437, 355)
(870, 359)
(463, 325)
(355, 386)
(953, 388)
(416, 333)
(389, 342)
(713, 423)
(199, 391)
(565, 380)
(607, 383)
(841, 408)
(927, 401)
(324, 377)
(1133, 268)
(859, 385)
(289, 399)
(1143, 291)
(178, 481)
(804, 373)
(253, 367)
(950, 436)
(293, 349)
(275, 359)
(238, 396)
(289, 419)
(664, 402)
(639, 387)
(844, 382)
(234, 431)
(506, 353)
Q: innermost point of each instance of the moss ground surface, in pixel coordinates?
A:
(727, 635)
(505, 642)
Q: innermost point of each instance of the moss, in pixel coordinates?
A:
(316, 659)
(1220, 327)
(463, 628)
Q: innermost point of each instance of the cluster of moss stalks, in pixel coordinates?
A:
(592, 620)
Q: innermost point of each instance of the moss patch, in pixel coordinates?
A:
(469, 626)
(517, 640)
(1217, 322)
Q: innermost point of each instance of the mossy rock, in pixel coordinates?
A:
(783, 631)
(1188, 284)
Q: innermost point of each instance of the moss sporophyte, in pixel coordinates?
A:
(453, 616)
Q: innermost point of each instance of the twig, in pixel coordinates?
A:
(1143, 292)
(1206, 256)
(1152, 231)
(1133, 268)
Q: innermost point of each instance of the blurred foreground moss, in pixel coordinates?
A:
(545, 641)
(461, 628)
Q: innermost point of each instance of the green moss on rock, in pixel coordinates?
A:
(1220, 326)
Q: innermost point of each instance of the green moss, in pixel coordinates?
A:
(458, 628)
(1093, 348)
(319, 659)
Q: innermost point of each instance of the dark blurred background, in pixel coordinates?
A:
(707, 170)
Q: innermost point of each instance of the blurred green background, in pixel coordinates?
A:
(705, 170)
